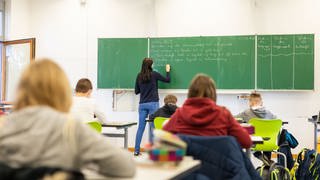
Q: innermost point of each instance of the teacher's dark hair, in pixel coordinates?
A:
(44, 82)
(146, 70)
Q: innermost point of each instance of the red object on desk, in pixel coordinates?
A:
(249, 128)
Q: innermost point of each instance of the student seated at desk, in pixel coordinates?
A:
(256, 110)
(83, 106)
(40, 132)
(200, 115)
(170, 106)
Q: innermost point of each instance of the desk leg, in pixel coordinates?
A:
(315, 135)
(126, 137)
(150, 132)
(248, 153)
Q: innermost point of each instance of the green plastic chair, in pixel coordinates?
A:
(268, 129)
(158, 122)
(95, 125)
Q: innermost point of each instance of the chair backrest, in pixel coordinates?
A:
(158, 122)
(268, 129)
(95, 125)
(39, 172)
(221, 157)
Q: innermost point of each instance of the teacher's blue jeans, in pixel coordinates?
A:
(145, 109)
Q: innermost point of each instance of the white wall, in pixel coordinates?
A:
(204, 17)
(68, 32)
(17, 19)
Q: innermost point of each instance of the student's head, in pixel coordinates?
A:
(202, 86)
(84, 87)
(146, 69)
(43, 82)
(147, 64)
(170, 99)
(255, 99)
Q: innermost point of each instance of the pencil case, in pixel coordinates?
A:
(165, 155)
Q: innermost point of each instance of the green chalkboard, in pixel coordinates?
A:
(229, 60)
(119, 60)
(285, 62)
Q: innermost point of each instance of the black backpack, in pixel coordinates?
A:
(308, 165)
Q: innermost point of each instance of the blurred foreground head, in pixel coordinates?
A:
(43, 82)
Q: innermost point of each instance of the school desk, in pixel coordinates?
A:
(146, 169)
(6, 107)
(315, 120)
(119, 125)
(255, 140)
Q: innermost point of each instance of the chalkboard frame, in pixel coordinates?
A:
(306, 87)
(228, 90)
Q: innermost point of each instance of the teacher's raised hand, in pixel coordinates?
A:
(167, 67)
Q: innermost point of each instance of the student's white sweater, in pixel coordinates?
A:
(84, 108)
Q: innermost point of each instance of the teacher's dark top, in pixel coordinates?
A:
(149, 90)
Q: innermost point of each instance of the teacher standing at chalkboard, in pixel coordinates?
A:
(147, 87)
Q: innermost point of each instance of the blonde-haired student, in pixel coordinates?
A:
(40, 131)
(256, 109)
(83, 106)
(200, 115)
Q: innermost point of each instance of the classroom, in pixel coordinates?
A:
(68, 32)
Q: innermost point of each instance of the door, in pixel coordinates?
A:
(16, 55)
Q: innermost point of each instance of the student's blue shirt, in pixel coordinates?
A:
(149, 90)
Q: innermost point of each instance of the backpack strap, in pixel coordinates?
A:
(301, 153)
(272, 171)
(293, 170)
(276, 169)
(261, 170)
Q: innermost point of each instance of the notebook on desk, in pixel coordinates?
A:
(240, 120)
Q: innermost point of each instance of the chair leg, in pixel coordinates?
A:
(284, 157)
